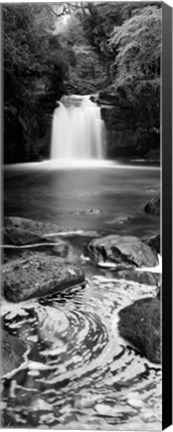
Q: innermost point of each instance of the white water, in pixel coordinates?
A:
(77, 130)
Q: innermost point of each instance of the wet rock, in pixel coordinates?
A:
(17, 241)
(92, 212)
(38, 276)
(128, 251)
(153, 206)
(145, 278)
(33, 226)
(10, 254)
(17, 236)
(154, 242)
(120, 220)
(140, 325)
(12, 350)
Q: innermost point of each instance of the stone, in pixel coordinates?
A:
(120, 220)
(12, 350)
(19, 237)
(122, 126)
(38, 276)
(92, 212)
(125, 251)
(153, 206)
(154, 242)
(34, 226)
(21, 242)
(144, 278)
(140, 325)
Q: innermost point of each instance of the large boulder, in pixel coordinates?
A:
(12, 351)
(125, 251)
(140, 325)
(153, 206)
(38, 276)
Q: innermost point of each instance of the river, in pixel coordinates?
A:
(79, 373)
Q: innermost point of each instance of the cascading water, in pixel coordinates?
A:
(77, 130)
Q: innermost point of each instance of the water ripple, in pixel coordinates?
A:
(79, 372)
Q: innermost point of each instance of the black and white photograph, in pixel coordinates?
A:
(81, 253)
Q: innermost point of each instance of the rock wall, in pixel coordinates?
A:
(127, 130)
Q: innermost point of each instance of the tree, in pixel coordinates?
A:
(136, 67)
(33, 68)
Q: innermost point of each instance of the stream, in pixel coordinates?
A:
(78, 373)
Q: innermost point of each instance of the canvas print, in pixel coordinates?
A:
(81, 258)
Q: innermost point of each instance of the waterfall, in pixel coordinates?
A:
(77, 130)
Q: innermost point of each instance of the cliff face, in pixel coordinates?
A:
(119, 134)
(128, 130)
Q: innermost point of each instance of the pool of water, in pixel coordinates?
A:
(43, 192)
(78, 372)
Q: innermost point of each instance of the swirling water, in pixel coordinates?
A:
(78, 373)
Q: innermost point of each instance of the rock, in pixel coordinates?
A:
(94, 98)
(38, 276)
(144, 278)
(123, 127)
(140, 325)
(92, 212)
(23, 239)
(12, 350)
(18, 236)
(153, 206)
(107, 98)
(33, 226)
(120, 220)
(154, 242)
(126, 251)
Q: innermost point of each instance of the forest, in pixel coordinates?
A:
(110, 50)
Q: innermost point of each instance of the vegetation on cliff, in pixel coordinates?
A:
(137, 48)
(52, 49)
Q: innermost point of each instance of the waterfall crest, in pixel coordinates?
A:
(77, 130)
